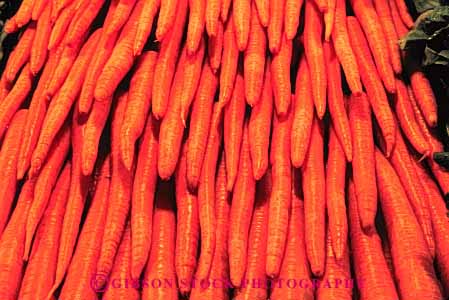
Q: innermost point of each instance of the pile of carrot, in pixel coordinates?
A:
(164, 149)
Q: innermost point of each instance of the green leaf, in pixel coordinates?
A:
(423, 5)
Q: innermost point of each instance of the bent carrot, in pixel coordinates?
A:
(145, 24)
(195, 27)
(11, 25)
(166, 19)
(280, 72)
(276, 25)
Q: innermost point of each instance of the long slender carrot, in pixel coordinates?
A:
(39, 50)
(84, 262)
(399, 25)
(60, 5)
(257, 243)
(212, 17)
(263, 10)
(280, 72)
(234, 116)
(5, 87)
(302, 115)
(254, 60)
(145, 23)
(161, 263)
(373, 85)
(166, 19)
(61, 24)
(11, 25)
(121, 15)
(329, 19)
(259, 128)
(206, 196)
(200, 121)
(276, 25)
(12, 244)
(23, 14)
(44, 184)
(371, 269)
(195, 27)
(166, 63)
(138, 106)
(188, 226)
(241, 11)
(424, 97)
(291, 17)
(313, 49)
(215, 47)
(408, 246)
(345, 54)
(144, 187)
(419, 117)
(403, 12)
(225, 15)
(8, 163)
(335, 99)
(40, 272)
(15, 98)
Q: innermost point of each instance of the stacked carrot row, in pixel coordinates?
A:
(236, 141)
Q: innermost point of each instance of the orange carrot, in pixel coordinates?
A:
(144, 187)
(212, 17)
(5, 87)
(188, 226)
(121, 15)
(335, 98)
(373, 85)
(215, 47)
(199, 125)
(371, 269)
(234, 116)
(345, 54)
(40, 272)
(241, 212)
(206, 196)
(419, 117)
(145, 24)
(166, 19)
(302, 115)
(399, 25)
(408, 246)
(403, 12)
(275, 25)
(11, 25)
(23, 14)
(39, 49)
(8, 164)
(138, 106)
(313, 50)
(313, 186)
(263, 10)
(291, 18)
(225, 15)
(38, 8)
(195, 28)
(59, 5)
(241, 11)
(81, 24)
(280, 70)
(257, 243)
(424, 97)
(259, 128)
(329, 19)
(44, 184)
(254, 59)
(161, 263)
(166, 63)
(61, 24)
(322, 5)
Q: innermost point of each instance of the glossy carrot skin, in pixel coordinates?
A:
(280, 72)
(263, 10)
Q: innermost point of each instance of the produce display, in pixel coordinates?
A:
(218, 149)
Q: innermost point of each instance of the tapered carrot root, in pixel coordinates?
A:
(292, 16)
(215, 48)
(212, 17)
(145, 24)
(276, 25)
(280, 72)
(21, 54)
(403, 12)
(195, 28)
(39, 49)
(241, 11)
(424, 97)
(167, 17)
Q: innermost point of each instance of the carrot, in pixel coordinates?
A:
(407, 120)
(254, 60)
(302, 115)
(234, 116)
(61, 24)
(335, 198)
(335, 98)
(195, 27)
(45, 183)
(408, 246)
(120, 195)
(61, 104)
(386, 21)
(370, 23)
(11, 25)
(343, 50)
(39, 50)
(161, 263)
(206, 196)
(138, 105)
(291, 17)
(275, 25)
(419, 117)
(370, 266)
(23, 14)
(145, 24)
(188, 226)
(5, 87)
(280, 70)
(200, 121)
(241, 11)
(215, 47)
(322, 5)
(144, 187)
(12, 244)
(399, 25)
(21, 54)
(313, 186)
(40, 272)
(38, 8)
(84, 262)
(329, 19)
(259, 128)
(294, 264)
(121, 15)
(257, 243)
(241, 212)
(167, 16)
(122, 271)
(313, 49)
(424, 97)
(60, 4)
(166, 63)
(8, 163)
(212, 17)
(225, 15)
(263, 11)
(373, 85)
(229, 64)
(404, 14)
